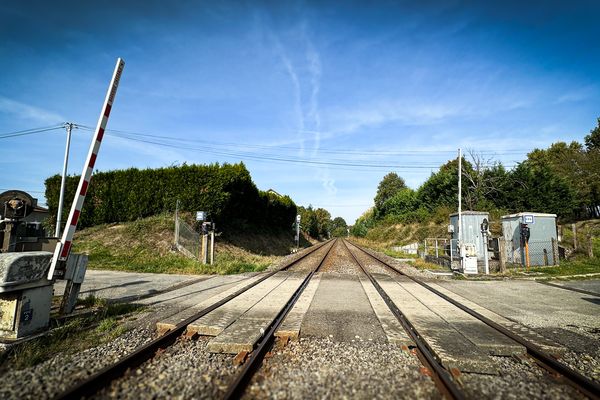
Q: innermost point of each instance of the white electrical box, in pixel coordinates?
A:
(469, 258)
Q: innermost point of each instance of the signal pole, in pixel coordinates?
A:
(297, 232)
(61, 198)
(460, 253)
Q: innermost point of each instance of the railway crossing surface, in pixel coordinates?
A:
(336, 321)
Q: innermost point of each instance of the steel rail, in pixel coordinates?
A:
(441, 376)
(106, 375)
(579, 381)
(237, 387)
(583, 291)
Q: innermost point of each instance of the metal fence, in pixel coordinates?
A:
(187, 240)
(440, 251)
(538, 252)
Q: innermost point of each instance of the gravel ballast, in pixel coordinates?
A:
(49, 378)
(323, 368)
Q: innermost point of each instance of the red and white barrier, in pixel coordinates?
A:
(63, 247)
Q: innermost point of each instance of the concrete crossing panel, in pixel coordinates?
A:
(293, 321)
(216, 321)
(470, 327)
(515, 327)
(448, 344)
(242, 334)
(203, 300)
(340, 310)
(391, 326)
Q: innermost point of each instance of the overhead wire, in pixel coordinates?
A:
(268, 157)
(30, 131)
(321, 150)
(228, 151)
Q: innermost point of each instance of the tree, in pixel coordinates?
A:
(338, 227)
(441, 189)
(308, 221)
(388, 187)
(401, 203)
(363, 223)
(485, 180)
(592, 141)
(578, 167)
(314, 222)
(538, 188)
(323, 218)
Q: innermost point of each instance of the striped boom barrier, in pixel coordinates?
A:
(63, 247)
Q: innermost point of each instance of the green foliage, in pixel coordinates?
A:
(401, 205)
(72, 335)
(225, 191)
(441, 189)
(388, 187)
(578, 167)
(365, 222)
(315, 222)
(579, 266)
(539, 189)
(338, 227)
(592, 141)
(144, 245)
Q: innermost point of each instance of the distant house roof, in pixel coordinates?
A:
(274, 192)
(468, 212)
(40, 209)
(535, 214)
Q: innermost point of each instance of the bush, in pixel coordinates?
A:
(226, 192)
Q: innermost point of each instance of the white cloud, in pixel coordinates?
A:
(579, 94)
(327, 182)
(386, 111)
(28, 113)
(289, 67)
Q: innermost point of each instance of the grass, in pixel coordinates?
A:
(419, 263)
(399, 254)
(72, 335)
(146, 245)
(578, 266)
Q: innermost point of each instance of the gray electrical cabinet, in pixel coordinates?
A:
(542, 246)
(25, 293)
(471, 230)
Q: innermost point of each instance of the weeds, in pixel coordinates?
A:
(72, 335)
(145, 246)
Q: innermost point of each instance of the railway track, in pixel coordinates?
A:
(441, 376)
(445, 378)
(578, 381)
(105, 376)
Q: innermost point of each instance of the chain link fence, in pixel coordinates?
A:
(584, 239)
(187, 240)
(539, 253)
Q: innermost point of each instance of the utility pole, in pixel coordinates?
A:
(460, 253)
(61, 197)
(484, 232)
(298, 232)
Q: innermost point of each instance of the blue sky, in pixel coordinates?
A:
(320, 100)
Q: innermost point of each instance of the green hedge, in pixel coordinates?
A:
(225, 191)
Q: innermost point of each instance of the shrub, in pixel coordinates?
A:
(226, 192)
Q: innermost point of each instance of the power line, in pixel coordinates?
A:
(274, 158)
(29, 131)
(321, 150)
(281, 159)
(235, 153)
(28, 191)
